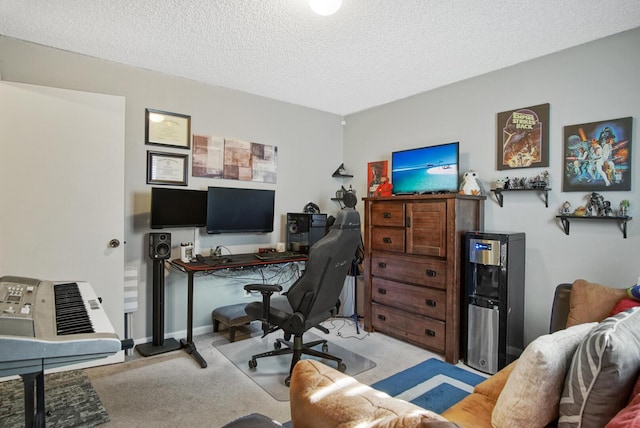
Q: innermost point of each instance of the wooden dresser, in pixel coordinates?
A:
(414, 267)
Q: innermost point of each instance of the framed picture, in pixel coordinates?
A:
(167, 168)
(375, 171)
(597, 156)
(167, 129)
(523, 138)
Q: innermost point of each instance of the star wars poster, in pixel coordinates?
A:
(523, 138)
(597, 156)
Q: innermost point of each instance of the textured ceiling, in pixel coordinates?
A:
(369, 53)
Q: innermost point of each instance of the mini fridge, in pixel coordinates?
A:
(494, 299)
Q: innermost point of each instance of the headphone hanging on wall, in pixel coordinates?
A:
(311, 208)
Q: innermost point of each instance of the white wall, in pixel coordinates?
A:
(592, 82)
(309, 150)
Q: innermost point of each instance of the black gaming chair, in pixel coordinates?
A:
(313, 298)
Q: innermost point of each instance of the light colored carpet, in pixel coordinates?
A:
(272, 371)
(171, 390)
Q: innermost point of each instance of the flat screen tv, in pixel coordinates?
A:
(178, 207)
(432, 169)
(234, 210)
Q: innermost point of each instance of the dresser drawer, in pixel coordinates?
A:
(387, 214)
(415, 270)
(424, 331)
(411, 298)
(387, 239)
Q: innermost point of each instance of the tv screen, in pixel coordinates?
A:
(233, 210)
(178, 208)
(432, 169)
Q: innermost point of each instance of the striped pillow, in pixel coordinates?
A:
(602, 372)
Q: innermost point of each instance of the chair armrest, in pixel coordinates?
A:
(268, 288)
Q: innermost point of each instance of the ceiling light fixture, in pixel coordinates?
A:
(325, 7)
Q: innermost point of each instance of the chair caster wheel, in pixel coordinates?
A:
(277, 345)
(342, 367)
(253, 364)
(287, 381)
(325, 347)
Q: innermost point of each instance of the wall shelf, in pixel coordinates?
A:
(340, 172)
(500, 196)
(565, 219)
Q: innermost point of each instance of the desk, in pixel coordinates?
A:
(211, 264)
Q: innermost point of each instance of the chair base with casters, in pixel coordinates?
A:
(298, 348)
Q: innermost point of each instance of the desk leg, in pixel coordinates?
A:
(188, 344)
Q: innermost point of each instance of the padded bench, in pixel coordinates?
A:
(231, 316)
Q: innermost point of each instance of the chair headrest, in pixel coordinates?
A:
(347, 218)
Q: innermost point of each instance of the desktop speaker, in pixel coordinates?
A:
(160, 245)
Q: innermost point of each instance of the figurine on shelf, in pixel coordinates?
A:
(595, 206)
(471, 184)
(385, 188)
(500, 183)
(580, 211)
(606, 210)
(566, 208)
(623, 208)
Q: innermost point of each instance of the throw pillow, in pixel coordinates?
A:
(591, 302)
(634, 292)
(628, 417)
(623, 305)
(531, 395)
(602, 373)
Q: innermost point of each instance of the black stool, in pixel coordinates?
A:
(231, 316)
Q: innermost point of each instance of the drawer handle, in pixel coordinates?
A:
(382, 317)
(431, 303)
(429, 332)
(386, 214)
(386, 240)
(431, 273)
(408, 221)
(382, 291)
(382, 265)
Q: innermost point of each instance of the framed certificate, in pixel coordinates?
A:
(167, 168)
(167, 129)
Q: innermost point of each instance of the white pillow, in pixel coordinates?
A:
(531, 395)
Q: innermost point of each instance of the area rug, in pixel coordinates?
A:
(70, 401)
(272, 371)
(432, 384)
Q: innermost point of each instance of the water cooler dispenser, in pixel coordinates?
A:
(494, 297)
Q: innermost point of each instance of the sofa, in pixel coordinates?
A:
(553, 383)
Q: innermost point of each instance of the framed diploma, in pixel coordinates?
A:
(167, 168)
(167, 129)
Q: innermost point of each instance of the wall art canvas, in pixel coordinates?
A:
(233, 159)
(597, 156)
(523, 138)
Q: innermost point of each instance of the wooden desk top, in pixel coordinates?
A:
(234, 261)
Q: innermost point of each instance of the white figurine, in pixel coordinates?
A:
(471, 184)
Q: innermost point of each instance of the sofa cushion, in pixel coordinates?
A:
(321, 396)
(602, 373)
(591, 302)
(531, 395)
